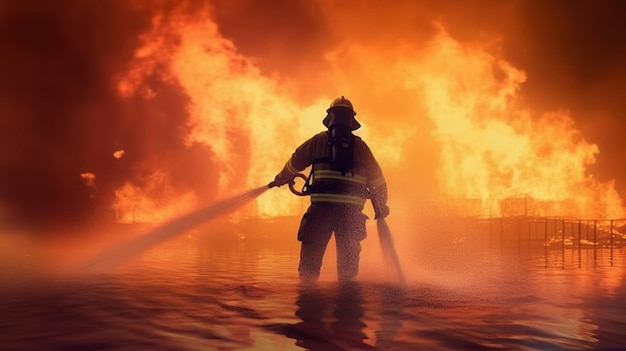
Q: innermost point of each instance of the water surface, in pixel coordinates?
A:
(236, 288)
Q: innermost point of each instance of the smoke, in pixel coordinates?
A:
(573, 53)
(63, 118)
(75, 136)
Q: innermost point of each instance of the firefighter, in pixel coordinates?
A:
(344, 174)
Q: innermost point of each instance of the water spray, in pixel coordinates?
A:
(127, 251)
(386, 243)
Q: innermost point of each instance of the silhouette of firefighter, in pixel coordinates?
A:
(344, 174)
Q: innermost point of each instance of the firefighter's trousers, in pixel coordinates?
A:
(320, 221)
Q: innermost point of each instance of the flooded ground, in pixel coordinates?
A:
(235, 287)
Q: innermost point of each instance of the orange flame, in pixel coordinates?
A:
(492, 150)
(90, 178)
(119, 154)
(495, 150)
(152, 202)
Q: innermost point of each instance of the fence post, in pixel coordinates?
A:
(580, 229)
(563, 240)
(611, 243)
(595, 239)
(529, 232)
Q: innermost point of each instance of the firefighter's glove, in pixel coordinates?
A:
(381, 212)
(281, 178)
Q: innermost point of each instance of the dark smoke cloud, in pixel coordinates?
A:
(575, 56)
(285, 38)
(60, 115)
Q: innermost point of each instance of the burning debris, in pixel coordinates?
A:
(90, 178)
(119, 154)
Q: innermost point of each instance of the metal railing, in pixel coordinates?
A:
(560, 233)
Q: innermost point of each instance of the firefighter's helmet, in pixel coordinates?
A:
(341, 102)
(342, 112)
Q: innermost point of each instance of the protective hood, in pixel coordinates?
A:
(333, 119)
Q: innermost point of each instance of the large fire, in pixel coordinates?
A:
(494, 149)
(488, 147)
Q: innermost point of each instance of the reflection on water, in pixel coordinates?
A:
(329, 320)
(236, 288)
(333, 318)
